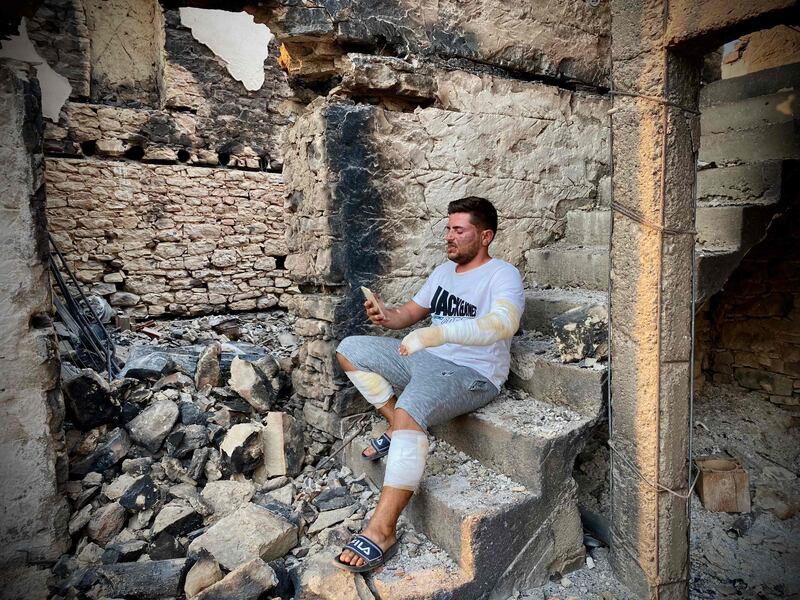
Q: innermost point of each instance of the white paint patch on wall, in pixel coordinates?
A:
(234, 37)
(55, 88)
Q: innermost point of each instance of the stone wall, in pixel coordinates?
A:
(557, 38)
(753, 325)
(32, 513)
(369, 189)
(171, 239)
(173, 203)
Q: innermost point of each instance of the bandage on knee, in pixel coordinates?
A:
(406, 460)
(375, 389)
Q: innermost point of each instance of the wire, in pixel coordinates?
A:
(656, 486)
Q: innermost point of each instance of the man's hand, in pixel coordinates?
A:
(425, 337)
(394, 318)
(377, 313)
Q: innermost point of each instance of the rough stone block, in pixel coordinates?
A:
(283, 445)
(249, 581)
(249, 532)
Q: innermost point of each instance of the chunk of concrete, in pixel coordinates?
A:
(176, 518)
(247, 582)
(320, 578)
(249, 532)
(151, 426)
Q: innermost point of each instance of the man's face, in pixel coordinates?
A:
(463, 239)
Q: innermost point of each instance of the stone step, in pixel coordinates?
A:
(760, 83)
(588, 227)
(531, 440)
(542, 306)
(778, 141)
(502, 535)
(748, 184)
(566, 266)
(714, 266)
(749, 113)
(536, 369)
(420, 570)
(732, 227)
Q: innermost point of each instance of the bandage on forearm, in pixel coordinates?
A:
(375, 389)
(406, 461)
(499, 324)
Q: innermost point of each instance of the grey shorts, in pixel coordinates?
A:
(434, 390)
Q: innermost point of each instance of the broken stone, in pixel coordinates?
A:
(330, 518)
(142, 495)
(284, 495)
(176, 519)
(88, 398)
(191, 413)
(207, 372)
(333, 498)
(123, 299)
(107, 522)
(147, 579)
(79, 519)
(153, 424)
(91, 554)
(283, 445)
(320, 578)
(115, 489)
(249, 532)
(107, 454)
(204, 572)
(124, 551)
(174, 381)
(253, 382)
(247, 582)
(183, 441)
(227, 496)
(188, 492)
(198, 463)
(582, 333)
(242, 448)
(165, 546)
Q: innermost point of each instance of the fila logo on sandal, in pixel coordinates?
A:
(363, 547)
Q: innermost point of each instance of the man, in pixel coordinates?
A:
(455, 366)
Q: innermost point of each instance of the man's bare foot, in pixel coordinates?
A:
(383, 540)
(369, 451)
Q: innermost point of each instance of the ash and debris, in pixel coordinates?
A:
(530, 416)
(752, 555)
(180, 492)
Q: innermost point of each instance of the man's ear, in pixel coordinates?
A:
(487, 235)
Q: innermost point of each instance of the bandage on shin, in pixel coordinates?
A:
(406, 460)
(375, 389)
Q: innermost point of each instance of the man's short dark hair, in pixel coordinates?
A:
(482, 213)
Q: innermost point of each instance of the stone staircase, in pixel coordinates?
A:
(749, 152)
(497, 508)
(498, 504)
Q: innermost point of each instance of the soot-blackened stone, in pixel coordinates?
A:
(142, 495)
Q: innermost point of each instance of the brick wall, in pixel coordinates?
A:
(171, 238)
(751, 334)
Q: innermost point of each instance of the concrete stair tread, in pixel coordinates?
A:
(543, 305)
(567, 265)
(522, 415)
(499, 533)
(418, 571)
(750, 184)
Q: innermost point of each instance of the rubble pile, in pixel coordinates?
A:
(201, 484)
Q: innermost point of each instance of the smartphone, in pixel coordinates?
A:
(371, 297)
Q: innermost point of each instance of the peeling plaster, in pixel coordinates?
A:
(55, 88)
(235, 38)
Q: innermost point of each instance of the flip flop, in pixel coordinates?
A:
(362, 546)
(381, 447)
